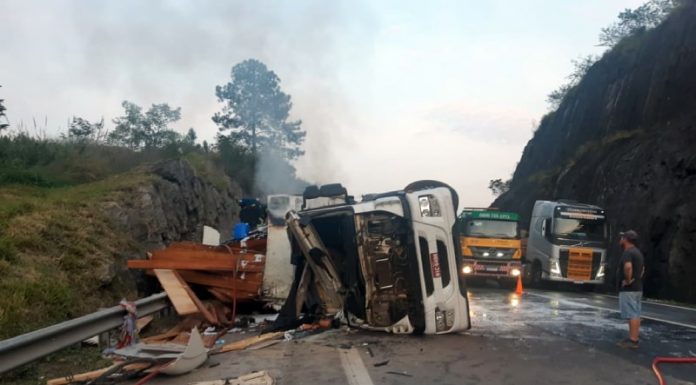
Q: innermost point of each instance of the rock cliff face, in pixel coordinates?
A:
(174, 205)
(625, 139)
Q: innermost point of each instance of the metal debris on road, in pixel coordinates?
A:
(404, 374)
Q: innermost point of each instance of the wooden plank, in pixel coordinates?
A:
(83, 377)
(160, 337)
(176, 291)
(252, 282)
(252, 245)
(256, 378)
(245, 343)
(217, 293)
(208, 255)
(201, 307)
(186, 324)
(142, 322)
(194, 264)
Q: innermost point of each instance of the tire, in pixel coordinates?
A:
(536, 280)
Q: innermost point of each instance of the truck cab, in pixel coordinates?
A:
(567, 243)
(388, 262)
(490, 243)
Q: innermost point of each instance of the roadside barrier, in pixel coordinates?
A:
(669, 360)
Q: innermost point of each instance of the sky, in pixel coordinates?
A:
(389, 92)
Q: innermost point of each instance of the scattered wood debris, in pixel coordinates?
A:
(256, 378)
(230, 273)
(245, 343)
(94, 374)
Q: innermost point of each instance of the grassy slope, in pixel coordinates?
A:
(53, 243)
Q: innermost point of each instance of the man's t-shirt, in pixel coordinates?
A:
(634, 256)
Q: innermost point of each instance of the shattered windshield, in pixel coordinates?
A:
(490, 229)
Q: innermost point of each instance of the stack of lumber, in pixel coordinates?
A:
(230, 273)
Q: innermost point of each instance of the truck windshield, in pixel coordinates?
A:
(490, 228)
(581, 229)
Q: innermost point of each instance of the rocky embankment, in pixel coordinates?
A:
(174, 205)
(625, 139)
(63, 251)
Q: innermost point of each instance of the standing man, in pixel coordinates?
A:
(629, 275)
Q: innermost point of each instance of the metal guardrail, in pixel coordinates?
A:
(26, 348)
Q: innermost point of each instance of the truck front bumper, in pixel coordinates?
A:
(596, 281)
(491, 269)
(597, 278)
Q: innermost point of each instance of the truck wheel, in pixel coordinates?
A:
(535, 278)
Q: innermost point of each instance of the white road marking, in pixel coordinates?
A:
(652, 302)
(353, 365)
(690, 326)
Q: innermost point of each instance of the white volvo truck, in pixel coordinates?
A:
(567, 243)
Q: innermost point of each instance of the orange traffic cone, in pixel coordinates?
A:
(519, 289)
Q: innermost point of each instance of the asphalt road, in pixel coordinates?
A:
(541, 337)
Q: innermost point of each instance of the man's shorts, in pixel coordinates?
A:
(629, 303)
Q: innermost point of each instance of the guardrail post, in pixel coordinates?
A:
(28, 347)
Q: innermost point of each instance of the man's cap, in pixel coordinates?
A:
(631, 235)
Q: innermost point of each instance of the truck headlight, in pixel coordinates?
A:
(467, 270)
(515, 272)
(499, 254)
(424, 203)
(486, 254)
(555, 268)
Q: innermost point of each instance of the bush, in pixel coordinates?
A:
(8, 252)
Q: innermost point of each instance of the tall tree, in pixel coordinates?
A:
(580, 67)
(498, 186)
(82, 130)
(631, 21)
(256, 111)
(4, 123)
(137, 130)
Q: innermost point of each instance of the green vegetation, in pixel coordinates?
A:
(3, 118)
(60, 364)
(60, 256)
(499, 186)
(58, 250)
(256, 112)
(631, 23)
(55, 245)
(149, 130)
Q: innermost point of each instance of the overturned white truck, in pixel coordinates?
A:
(389, 262)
